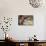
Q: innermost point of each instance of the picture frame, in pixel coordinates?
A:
(25, 20)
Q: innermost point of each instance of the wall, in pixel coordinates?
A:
(13, 8)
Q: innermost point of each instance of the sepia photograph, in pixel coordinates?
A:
(25, 20)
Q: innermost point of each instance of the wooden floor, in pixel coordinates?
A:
(4, 43)
(33, 43)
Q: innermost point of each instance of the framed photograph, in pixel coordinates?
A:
(25, 20)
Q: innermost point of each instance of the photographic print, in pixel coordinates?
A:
(25, 20)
